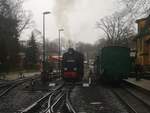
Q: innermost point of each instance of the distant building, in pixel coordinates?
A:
(143, 41)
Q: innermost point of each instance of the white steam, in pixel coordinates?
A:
(62, 10)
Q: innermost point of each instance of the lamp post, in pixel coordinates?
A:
(59, 52)
(43, 63)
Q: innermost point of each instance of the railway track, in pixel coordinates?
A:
(134, 100)
(57, 100)
(6, 87)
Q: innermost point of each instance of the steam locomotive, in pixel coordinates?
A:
(72, 65)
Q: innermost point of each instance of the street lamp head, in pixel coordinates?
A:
(46, 12)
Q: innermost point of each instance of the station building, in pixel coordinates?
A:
(143, 42)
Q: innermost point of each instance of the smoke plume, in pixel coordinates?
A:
(62, 10)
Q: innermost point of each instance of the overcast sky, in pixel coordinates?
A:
(77, 17)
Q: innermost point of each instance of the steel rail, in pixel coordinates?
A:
(134, 104)
(36, 104)
(5, 85)
(56, 102)
(129, 107)
(14, 84)
(140, 99)
(8, 89)
(50, 100)
(68, 103)
(39, 102)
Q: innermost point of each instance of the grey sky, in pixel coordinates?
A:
(77, 17)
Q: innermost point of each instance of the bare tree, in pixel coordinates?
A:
(131, 10)
(13, 9)
(116, 29)
(135, 8)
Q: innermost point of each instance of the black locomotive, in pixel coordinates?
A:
(72, 65)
